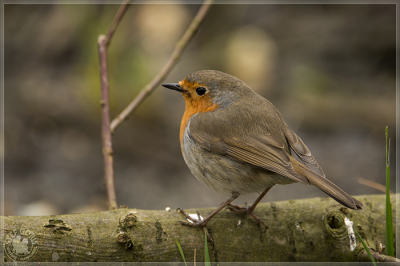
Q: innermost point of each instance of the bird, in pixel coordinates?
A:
(235, 142)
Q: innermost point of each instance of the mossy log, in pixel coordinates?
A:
(315, 230)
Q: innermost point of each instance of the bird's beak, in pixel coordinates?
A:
(174, 86)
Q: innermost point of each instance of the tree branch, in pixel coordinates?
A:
(298, 230)
(103, 42)
(179, 48)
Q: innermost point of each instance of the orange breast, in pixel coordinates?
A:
(194, 106)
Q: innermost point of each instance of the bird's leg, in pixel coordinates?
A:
(202, 223)
(249, 210)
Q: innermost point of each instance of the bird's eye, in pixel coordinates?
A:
(201, 91)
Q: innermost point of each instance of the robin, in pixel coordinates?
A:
(235, 141)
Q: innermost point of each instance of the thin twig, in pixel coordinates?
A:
(372, 184)
(179, 48)
(363, 257)
(105, 128)
(117, 20)
(103, 42)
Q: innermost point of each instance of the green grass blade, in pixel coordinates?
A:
(206, 254)
(367, 249)
(389, 218)
(181, 251)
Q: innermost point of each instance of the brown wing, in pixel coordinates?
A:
(302, 151)
(261, 151)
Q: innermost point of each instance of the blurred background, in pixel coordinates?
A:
(329, 69)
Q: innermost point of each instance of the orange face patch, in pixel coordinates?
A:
(194, 103)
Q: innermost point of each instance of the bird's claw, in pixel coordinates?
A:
(247, 210)
(192, 221)
(192, 224)
(239, 209)
(196, 223)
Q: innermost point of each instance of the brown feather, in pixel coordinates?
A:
(302, 151)
(326, 186)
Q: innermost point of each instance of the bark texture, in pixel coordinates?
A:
(298, 230)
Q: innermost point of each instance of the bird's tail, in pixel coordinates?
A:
(326, 186)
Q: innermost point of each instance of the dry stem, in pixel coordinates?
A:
(372, 184)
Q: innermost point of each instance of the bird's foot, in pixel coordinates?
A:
(193, 222)
(246, 210)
